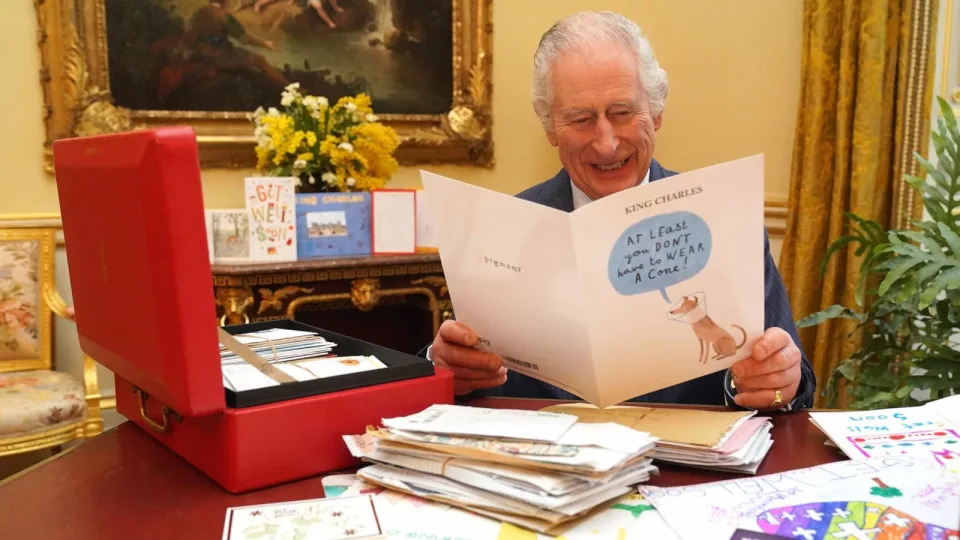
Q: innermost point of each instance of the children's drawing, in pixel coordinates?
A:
(942, 445)
(692, 309)
(861, 520)
(885, 498)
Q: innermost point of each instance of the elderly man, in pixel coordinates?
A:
(599, 92)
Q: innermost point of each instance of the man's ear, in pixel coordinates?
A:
(552, 137)
(657, 120)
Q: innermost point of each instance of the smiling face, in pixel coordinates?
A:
(601, 120)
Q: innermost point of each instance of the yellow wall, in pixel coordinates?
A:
(733, 67)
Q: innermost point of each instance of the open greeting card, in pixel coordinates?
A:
(642, 289)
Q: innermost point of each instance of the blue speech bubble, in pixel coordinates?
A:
(658, 252)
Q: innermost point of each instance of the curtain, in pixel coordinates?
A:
(855, 87)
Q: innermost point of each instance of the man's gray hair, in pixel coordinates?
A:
(586, 30)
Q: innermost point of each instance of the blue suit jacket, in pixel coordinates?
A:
(709, 389)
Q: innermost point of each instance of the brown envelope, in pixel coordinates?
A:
(683, 426)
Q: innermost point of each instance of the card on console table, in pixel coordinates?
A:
(642, 289)
(318, 519)
(273, 215)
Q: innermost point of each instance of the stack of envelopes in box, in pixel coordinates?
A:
(735, 441)
(538, 470)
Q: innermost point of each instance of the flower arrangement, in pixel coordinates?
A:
(328, 148)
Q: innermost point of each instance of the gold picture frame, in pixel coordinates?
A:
(77, 101)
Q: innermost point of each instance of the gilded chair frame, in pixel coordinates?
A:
(49, 303)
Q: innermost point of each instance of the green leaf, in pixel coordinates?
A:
(942, 366)
(896, 273)
(938, 175)
(837, 244)
(904, 392)
(952, 238)
(835, 311)
(948, 277)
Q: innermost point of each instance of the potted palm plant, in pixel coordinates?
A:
(908, 294)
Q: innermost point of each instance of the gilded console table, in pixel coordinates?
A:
(396, 301)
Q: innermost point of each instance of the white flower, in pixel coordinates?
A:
(345, 146)
(287, 99)
(310, 101)
(298, 183)
(372, 117)
(312, 179)
(323, 101)
(272, 111)
(292, 87)
(329, 178)
(258, 112)
(351, 106)
(300, 164)
(350, 181)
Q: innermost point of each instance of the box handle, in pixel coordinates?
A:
(165, 413)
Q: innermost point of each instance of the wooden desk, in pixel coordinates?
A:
(395, 301)
(123, 484)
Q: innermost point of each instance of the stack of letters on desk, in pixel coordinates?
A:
(735, 441)
(540, 470)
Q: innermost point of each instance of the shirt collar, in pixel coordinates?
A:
(580, 198)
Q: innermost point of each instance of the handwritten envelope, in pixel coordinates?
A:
(643, 289)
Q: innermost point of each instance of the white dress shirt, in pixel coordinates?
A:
(580, 198)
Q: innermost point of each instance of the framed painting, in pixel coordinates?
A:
(113, 65)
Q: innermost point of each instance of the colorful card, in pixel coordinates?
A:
(927, 432)
(273, 218)
(893, 498)
(318, 519)
(333, 225)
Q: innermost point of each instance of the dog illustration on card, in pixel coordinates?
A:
(692, 309)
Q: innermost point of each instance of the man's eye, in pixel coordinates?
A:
(621, 113)
(580, 121)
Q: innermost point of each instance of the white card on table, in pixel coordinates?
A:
(273, 218)
(317, 519)
(394, 216)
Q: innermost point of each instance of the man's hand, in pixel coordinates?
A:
(774, 365)
(473, 369)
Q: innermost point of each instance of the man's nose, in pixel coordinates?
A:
(605, 139)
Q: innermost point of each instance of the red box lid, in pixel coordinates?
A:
(133, 223)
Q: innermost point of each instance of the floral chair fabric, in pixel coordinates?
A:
(39, 408)
(37, 400)
(19, 300)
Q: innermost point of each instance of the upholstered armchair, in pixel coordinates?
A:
(39, 407)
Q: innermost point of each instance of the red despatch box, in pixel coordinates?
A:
(133, 224)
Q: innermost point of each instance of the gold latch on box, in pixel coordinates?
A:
(165, 413)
